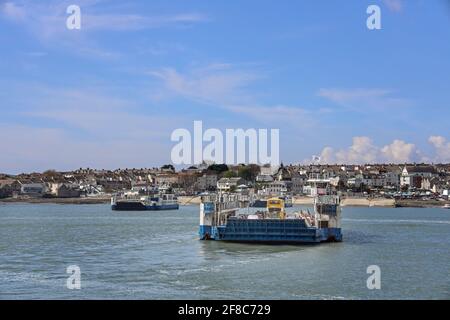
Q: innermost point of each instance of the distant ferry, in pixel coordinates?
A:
(220, 219)
(446, 206)
(134, 202)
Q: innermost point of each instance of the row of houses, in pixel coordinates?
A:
(367, 178)
(294, 179)
(60, 190)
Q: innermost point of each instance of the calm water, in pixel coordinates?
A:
(156, 255)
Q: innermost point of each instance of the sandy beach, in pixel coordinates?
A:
(379, 202)
(189, 200)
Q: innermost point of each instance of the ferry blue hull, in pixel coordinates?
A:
(127, 206)
(270, 231)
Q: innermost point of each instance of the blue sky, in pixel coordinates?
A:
(109, 95)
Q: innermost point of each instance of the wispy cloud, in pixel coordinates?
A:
(37, 149)
(13, 11)
(69, 128)
(217, 83)
(36, 54)
(46, 21)
(93, 112)
(228, 87)
(132, 22)
(362, 99)
(277, 114)
(50, 15)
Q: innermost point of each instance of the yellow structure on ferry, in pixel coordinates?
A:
(276, 206)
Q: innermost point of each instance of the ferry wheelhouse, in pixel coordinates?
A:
(262, 203)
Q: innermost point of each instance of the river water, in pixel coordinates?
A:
(157, 255)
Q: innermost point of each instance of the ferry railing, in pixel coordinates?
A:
(129, 196)
(224, 205)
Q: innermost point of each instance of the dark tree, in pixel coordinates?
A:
(230, 174)
(168, 167)
(218, 168)
(249, 172)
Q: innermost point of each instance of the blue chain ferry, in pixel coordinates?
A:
(220, 219)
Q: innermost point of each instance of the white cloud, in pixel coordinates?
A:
(327, 155)
(364, 151)
(442, 148)
(398, 151)
(361, 151)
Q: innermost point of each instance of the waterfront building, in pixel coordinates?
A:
(412, 175)
(9, 187)
(316, 187)
(33, 189)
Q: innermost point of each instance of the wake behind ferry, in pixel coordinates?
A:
(220, 219)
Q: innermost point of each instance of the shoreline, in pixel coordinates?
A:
(379, 202)
(85, 200)
(195, 200)
(351, 202)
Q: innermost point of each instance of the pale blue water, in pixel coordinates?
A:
(156, 255)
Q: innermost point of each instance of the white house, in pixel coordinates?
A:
(264, 178)
(225, 184)
(274, 188)
(316, 187)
